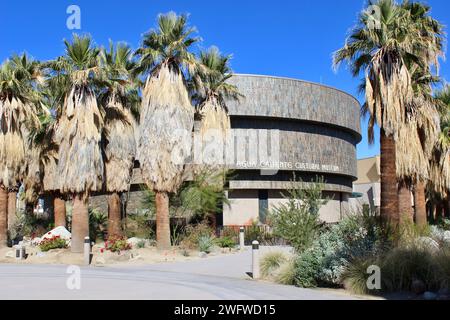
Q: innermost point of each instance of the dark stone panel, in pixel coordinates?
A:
(266, 96)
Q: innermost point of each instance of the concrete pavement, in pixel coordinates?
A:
(215, 278)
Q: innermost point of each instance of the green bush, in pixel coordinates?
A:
(205, 243)
(53, 243)
(98, 222)
(194, 233)
(297, 221)
(225, 242)
(141, 244)
(324, 263)
(270, 262)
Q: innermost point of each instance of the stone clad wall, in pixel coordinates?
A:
(295, 99)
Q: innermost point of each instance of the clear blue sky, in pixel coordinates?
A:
(292, 38)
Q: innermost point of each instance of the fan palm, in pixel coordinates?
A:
(78, 132)
(440, 162)
(167, 115)
(18, 114)
(420, 132)
(215, 91)
(384, 52)
(119, 98)
(53, 97)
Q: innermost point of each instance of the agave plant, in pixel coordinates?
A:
(167, 115)
(119, 98)
(78, 131)
(19, 77)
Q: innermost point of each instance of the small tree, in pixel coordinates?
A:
(297, 220)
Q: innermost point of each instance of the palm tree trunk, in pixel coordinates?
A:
(80, 223)
(404, 204)
(3, 217)
(162, 221)
(59, 207)
(420, 204)
(12, 205)
(114, 216)
(389, 197)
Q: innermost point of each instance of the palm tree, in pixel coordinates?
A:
(120, 100)
(167, 115)
(420, 133)
(215, 91)
(78, 132)
(440, 162)
(385, 51)
(211, 95)
(18, 80)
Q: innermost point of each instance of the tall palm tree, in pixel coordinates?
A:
(440, 162)
(167, 115)
(53, 97)
(78, 132)
(421, 130)
(211, 94)
(18, 113)
(215, 90)
(119, 98)
(383, 52)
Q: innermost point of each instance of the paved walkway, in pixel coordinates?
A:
(214, 278)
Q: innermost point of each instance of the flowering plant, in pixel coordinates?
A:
(54, 242)
(117, 244)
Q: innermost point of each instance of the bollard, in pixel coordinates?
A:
(255, 259)
(87, 251)
(20, 252)
(242, 238)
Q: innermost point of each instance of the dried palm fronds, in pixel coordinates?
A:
(167, 120)
(120, 150)
(388, 91)
(214, 117)
(78, 134)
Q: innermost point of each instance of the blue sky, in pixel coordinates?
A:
(291, 38)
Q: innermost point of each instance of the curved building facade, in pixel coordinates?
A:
(290, 127)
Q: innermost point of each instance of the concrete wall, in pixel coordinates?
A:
(244, 207)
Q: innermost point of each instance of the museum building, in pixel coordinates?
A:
(317, 129)
(282, 127)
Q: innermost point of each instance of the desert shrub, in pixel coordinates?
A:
(409, 232)
(297, 221)
(324, 263)
(355, 276)
(98, 222)
(28, 225)
(270, 262)
(139, 226)
(225, 242)
(53, 243)
(141, 244)
(260, 233)
(177, 233)
(205, 243)
(400, 267)
(286, 273)
(194, 233)
(117, 244)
